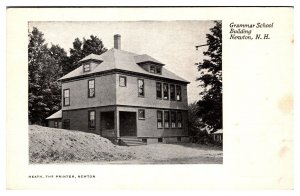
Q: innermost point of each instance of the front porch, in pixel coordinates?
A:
(118, 124)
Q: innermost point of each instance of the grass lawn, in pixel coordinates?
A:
(49, 145)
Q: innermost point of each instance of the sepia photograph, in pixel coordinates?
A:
(138, 98)
(138, 92)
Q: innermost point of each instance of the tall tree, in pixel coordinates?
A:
(44, 68)
(81, 49)
(210, 103)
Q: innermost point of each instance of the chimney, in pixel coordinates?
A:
(117, 41)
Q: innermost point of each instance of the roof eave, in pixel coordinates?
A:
(123, 71)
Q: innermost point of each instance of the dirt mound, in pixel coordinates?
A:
(48, 145)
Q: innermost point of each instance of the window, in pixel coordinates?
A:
(167, 119)
(122, 81)
(66, 124)
(173, 119)
(166, 91)
(179, 119)
(172, 92)
(159, 119)
(158, 70)
(91, 91)
(152, 69)
(92, 117)
(86, 67)
(178, 93)
(141, 89)
(141, 114)
(160, 140)
(66, 97)
(55, 124)
(158, 90)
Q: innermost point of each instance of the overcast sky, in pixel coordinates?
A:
(171, 42)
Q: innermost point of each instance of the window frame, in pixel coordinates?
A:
(179, 127)
(154, 68)
(160, 90)
(91, 88)
(175, 120)
(141, 118)
(176, 92)
(158, 68)
(174, 87)
(86, 65)
(89, 119)
(139, 87)
(55, 124)
(168, 91)
(161, 120)
(125, 78)
(167, 112)
(64, 98)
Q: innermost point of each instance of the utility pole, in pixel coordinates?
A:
(201, 46)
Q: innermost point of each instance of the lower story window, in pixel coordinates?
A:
(166, 119)
(173, 119)
(55, 124)
(141, 114)
(92, 117)
(179, 119)
(66, 124)
(159, 119)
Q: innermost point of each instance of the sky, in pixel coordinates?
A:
(171, 42)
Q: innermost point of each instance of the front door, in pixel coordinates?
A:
(127, 124)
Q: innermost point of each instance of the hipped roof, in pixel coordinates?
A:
(121, 60)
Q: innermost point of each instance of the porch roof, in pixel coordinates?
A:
(56, 115)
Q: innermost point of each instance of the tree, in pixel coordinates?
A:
(44, 69)
(210, 103)
(80, 49)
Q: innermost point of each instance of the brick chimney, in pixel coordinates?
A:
(117, 41)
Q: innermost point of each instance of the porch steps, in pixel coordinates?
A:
(131, 141)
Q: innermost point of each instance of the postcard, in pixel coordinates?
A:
(150, 98)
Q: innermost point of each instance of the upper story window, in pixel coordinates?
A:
(141, 88)
(92, 117)
(166, 91)
(158, 70)
(178, 93)
(91, 91)
(172, 92)
(66, 97)
(158, 90)
(122, 81)
(86, 67)
(152, 68)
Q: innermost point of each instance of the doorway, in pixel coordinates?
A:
(128, 124)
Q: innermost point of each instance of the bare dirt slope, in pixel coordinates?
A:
(49, 145)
